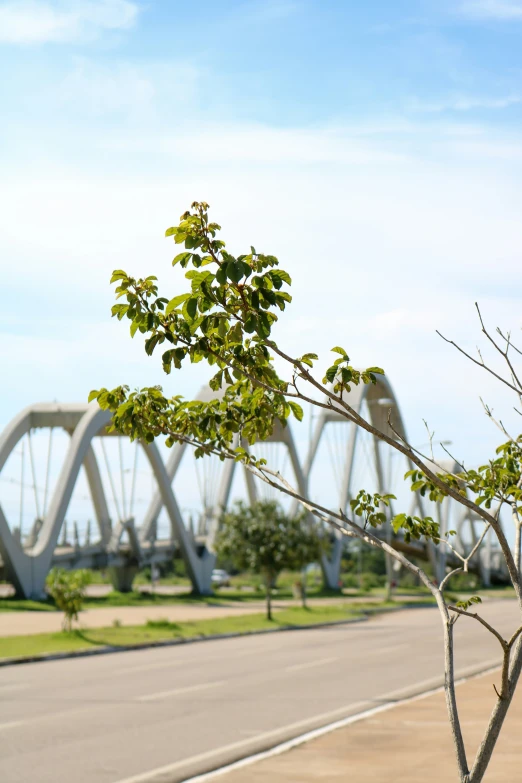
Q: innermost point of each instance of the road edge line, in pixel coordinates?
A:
(308, 736)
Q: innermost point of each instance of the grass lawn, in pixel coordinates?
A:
(159, 630)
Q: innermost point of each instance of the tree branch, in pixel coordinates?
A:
(504, 354)
(483, 622)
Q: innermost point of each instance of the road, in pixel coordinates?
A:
(163, 715)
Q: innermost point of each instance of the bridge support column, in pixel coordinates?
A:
(331, 564)
(122, 577)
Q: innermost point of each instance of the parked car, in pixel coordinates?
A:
(220, 578)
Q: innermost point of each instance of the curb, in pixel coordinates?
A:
(107, 650)
(302, 739)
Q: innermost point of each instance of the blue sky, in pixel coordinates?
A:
(375, 147)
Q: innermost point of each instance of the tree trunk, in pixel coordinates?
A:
(389, 577)
(303, 588)
(518, 542)
(497, 719)
(451, 702)
(268, 581)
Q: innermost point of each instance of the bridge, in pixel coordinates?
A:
(341, 459)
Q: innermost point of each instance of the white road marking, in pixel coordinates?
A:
(148, 666)
(179, 691)
(386, 650)
(298, 666)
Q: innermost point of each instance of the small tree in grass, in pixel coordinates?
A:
(227, 318)
(67, 588)
(263, 539)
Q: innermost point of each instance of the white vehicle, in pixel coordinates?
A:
(220, 578)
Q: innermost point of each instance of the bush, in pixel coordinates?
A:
(67, 589)
(369, 580)
(350, 580)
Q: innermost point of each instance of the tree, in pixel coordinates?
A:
(226, 318)
(67, 588)
(263, 539)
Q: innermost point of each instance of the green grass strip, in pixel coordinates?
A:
(163, 630)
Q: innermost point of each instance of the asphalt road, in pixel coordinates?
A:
(166, 714)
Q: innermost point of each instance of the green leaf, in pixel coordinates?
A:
(118, 274)
(235, 271)
(250, 324)
(263, 325)
(280, 274)
(296, 410)
(235, 335)
(398, 521)
(175, 302)
(221, 275)
(340, 350)
(182, 258)
(190, 308)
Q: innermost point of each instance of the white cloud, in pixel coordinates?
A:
(464, 103)
(383, 248)
(122, 87)
(32, 21)
(261, 144)
(492, 9)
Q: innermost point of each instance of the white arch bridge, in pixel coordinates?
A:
(341, 459)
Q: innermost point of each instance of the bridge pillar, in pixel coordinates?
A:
(122, 577)
(331, 564)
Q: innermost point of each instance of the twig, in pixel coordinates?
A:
(515, 637)
(508, 340)
(448, 577)
(489, 413)
(479, 364)
(483, 622)
(504, 354)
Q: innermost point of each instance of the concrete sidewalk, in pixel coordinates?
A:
(406, 744)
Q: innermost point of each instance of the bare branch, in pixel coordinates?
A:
(479, 364)
(448, 577)
(465, 560)
(430, 437)
(504, 354)
(489, 413)
(508, 341)
(424, 456)
(481, 620)
(458, 462)
(515, 637)
(477, 546)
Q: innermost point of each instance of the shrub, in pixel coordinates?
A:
(67, 589)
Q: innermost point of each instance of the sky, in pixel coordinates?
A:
(375, 148)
